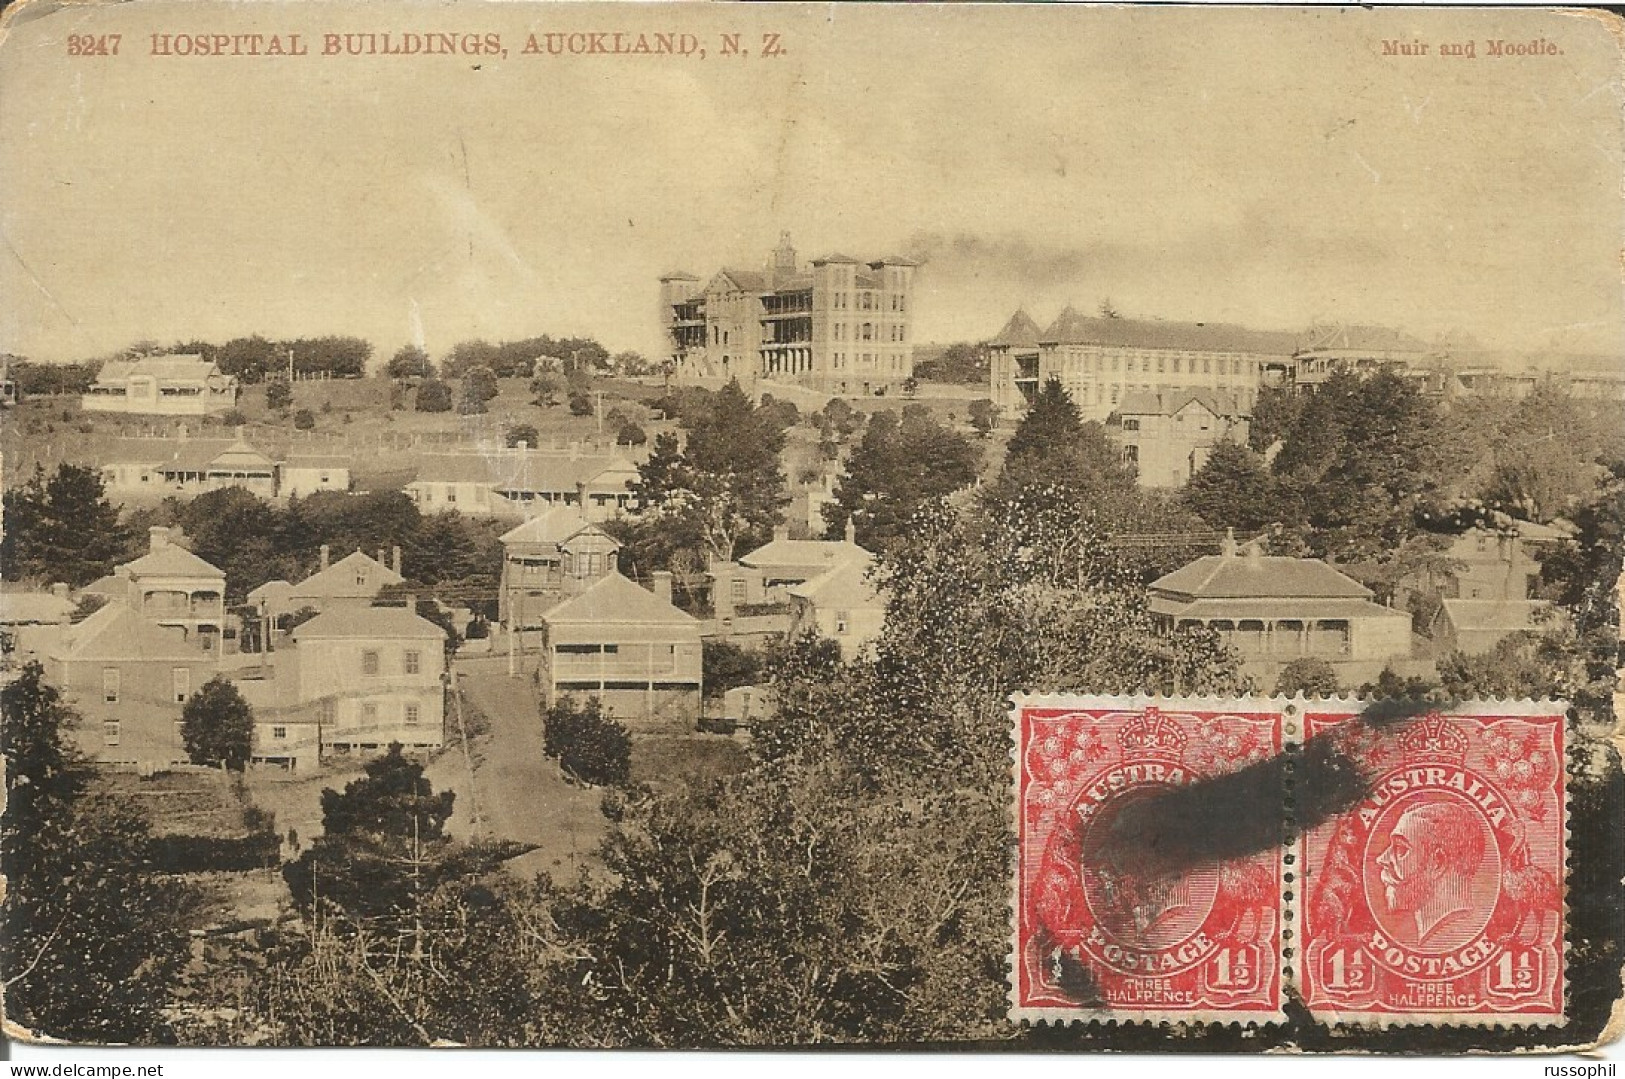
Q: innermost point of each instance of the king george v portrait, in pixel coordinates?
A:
(1434, 852)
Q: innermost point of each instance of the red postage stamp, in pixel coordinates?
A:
(1439, 896)
(1110, 922)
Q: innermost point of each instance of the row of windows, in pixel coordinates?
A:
(866, 359)
(411, 713)
(869, 301)
(598, 686)
(1179, 364)
(180, 684)
(371, 662)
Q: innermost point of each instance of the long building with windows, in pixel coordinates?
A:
(1101, 360)
(839, 324)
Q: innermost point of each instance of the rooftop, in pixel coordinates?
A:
(615, 599)
(1218, 402)
(117, 632)
(1072, 328)
(1020, 332)
(176, 368)
(1240, 576)
(788, 552)
(170, 560)
(368, 623)
(555, 526)
(846, 586)
(339, 579)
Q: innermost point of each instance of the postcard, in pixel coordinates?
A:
(986, 527)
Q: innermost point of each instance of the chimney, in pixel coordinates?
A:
(575, 450)
(581, 495)
(722, 596)
(327, 554)
(1228, 547)
(395, 558)
(781, 532)
(158, 537)
(59, 590)
(662, 583)
(851, 531)
(180, 432)
(380, 558)
(239, 429)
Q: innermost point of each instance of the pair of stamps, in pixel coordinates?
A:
(1207, 860)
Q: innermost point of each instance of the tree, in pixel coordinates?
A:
(481, 382)
(899, 465)
(217, 726)
(964, 362)
(1358, 460)
(631, 434)
(727, 666)
(433, 396)
(546, 388)
(382, 848)
(721, 492)
(580, 404)
(250, 359)
(94, 936)
(523, 432)
(279, 395)
(590, 746)
(1232, 489)
(410, 361)
(911, 386)
(1309, 675)
(304, 420)
(1052, 446)
(984, 416)
(61, 527)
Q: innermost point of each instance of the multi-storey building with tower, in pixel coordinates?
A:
(838, 324)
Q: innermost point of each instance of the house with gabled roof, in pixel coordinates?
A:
(178, 385)
(844, 604)
(355, 680)
(523, 482)
(128, 677)
(763, 578)
(628, 646)
(1273, 609)
(172, 587)
(158, 468)
(1166, 437)
(557, 554)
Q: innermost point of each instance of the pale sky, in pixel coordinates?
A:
(1267, 167)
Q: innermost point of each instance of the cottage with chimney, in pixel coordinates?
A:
(353, 581)
(173, 587)
(844, 604)
(763, 578)
(1273, 609)
(627, 646)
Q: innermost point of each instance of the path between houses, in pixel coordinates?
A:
(520, 793)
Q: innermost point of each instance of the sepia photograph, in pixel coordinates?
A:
(992, 528)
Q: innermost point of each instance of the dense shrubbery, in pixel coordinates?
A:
(588, 744)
